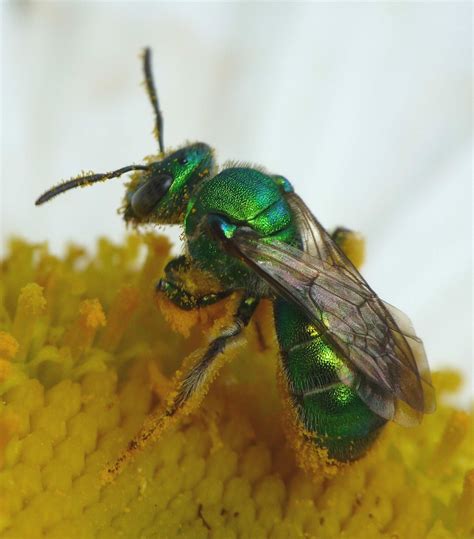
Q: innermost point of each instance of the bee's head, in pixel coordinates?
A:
(160, 191)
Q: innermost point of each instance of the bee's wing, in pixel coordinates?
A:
(377, 342)
(317, 242)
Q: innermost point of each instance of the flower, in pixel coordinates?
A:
(86, 355)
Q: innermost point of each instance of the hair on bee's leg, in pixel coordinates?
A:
(191, 388)
(186, 300)
(173, 287)
(196, 376)
(351, 243)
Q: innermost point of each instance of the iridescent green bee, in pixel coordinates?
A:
(351, 361)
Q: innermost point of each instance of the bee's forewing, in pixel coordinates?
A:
(377, 341)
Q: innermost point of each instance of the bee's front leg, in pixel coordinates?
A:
(180, 278)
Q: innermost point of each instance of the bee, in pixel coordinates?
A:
(350, 361)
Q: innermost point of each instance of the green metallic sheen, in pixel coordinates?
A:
(242, 193)
(188, 167)
(245, 197)
(341, 422)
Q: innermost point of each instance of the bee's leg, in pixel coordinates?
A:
(351, 243)
(176, 292)
(177, 265)
(197, 376)
(187, 301)
(191, 388)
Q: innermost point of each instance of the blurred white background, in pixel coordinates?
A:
(365, 107)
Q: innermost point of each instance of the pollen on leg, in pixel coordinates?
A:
(163, 419)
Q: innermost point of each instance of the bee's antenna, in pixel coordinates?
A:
(152, 94)
(85, 180)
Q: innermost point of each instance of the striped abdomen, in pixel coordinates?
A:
(340, 421)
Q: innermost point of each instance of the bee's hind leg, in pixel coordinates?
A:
(190, 387)
(197, 376)
(351, 243)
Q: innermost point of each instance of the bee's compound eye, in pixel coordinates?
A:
(183, 160)
(145, 199)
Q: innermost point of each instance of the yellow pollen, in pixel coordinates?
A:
(88, 355)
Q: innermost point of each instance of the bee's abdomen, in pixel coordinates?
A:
(340, 421)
